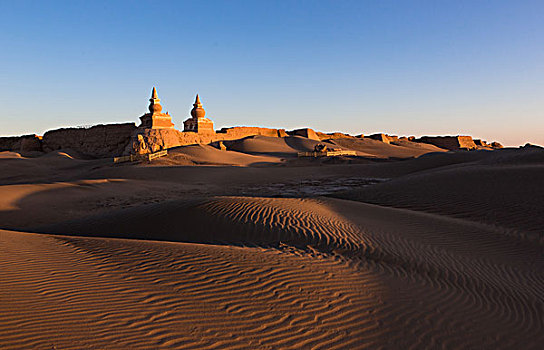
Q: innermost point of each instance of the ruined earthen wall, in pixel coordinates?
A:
(466, 142)
(306, 132)
(449, 142)
(153, 140)
(99, 141)
(392, 138)
(25, 143)
(244, 131)
(9, 143)
(333, 135)
(379, 137)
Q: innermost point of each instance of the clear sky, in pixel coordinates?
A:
(400, 67)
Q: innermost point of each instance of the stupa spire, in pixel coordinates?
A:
(155, 119)
(197, 102)
(155, 105)
(198, 111)
(198, 123)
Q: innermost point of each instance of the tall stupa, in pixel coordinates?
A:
(155, 119)
(198, 122)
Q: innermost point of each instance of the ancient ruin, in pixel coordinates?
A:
(157, 132)
(198, 122)
(305, 132)
(155, 119)
(450, 142)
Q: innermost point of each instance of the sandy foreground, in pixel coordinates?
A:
(255, 250)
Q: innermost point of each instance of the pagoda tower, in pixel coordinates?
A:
(155, 119)
(198, 123)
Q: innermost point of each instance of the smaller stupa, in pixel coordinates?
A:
(198, 123)
(155, 119)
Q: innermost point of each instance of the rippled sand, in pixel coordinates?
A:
(163, 258)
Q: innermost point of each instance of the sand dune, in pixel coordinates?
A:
(272, 145)
(134, 294)
(9, 155)
(379, 149)
(493, 193)
(96, 255)
(383, 274)
(27, 205)
(54, 166)
(228, 220)
(364, 147)
(205, 154)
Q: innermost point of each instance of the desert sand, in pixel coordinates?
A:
(252, 248)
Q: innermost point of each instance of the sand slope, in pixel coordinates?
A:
(81, 293)
(460, 267)
(205, 154)
(9, 155)
(289, 146)
(404, 278)
(50, 167)
(272, 145)
(507, 196)
(379, 149)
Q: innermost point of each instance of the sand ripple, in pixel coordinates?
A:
(302, 273)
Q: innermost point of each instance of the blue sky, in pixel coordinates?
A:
(400, 67)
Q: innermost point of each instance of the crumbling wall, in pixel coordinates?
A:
(333, 135)
(99, 141)
(25, 143)
(481, 143)
(306, 132)
(383, 138)
(11, 143)
(245, 131)
(152, 140)
(282, 133)
(449, 142)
